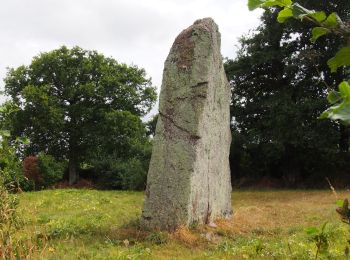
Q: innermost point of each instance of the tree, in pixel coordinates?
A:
(11, 175)
(279, 84)
(151, 125)
(66, 96)
(325, 25)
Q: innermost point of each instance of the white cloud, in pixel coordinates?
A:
(131, 31)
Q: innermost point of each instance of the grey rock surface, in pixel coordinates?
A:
(189, 176)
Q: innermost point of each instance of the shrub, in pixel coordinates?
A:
(31, 170)
(130, 174)
(43, 170)
(10, 168)
(51, 170)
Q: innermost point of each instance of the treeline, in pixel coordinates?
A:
(280, 81)
(81, 113)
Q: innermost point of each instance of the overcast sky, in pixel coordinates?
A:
(138, 32)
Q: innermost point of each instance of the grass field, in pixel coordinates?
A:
(90, 224)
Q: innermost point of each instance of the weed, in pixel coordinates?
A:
(321, 239)
(158, 238)
(10, 246)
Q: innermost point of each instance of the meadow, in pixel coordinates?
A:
(91, 224)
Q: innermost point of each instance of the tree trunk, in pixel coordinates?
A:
(73, 174)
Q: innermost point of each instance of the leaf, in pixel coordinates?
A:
(340, 112)
(281, 3)
(317, 32)
(5, 133)
(344, 89)
(332, 21)
(284, 15)
(341, 58)
(253, 4)
(23, 140)
(325, 114)
(318, 16)
(299, 12)
(334, 97)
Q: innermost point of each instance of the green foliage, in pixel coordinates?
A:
(50, 169)
(11, 174)
(279, 84)
(320, 237)
(65, 96)
(10, 167)
(317, 32)
(122, 175)
(284, 15)
(151, 125)
(121, 161)
(342, 58)
(253, 4)
(341, 104)
(331, 24)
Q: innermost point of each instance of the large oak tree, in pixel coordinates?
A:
(65, 97)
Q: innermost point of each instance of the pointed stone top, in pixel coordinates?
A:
(208, 23)
(189, 176)
(185, 42)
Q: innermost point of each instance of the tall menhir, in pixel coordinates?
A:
(189, 175)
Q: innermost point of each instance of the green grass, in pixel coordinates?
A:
(90, 224)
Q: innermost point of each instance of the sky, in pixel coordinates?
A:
(138, 32)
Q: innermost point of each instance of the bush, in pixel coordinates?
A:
(31, 171)
(125, 175)
(10, 169)
(51, 170)
(43, 170)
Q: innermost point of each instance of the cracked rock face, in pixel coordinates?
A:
(189, 176)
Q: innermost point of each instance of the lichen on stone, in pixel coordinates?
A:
(189, 177)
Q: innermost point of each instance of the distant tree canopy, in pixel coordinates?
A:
(151, 125)
(279, 86)
(77, 104)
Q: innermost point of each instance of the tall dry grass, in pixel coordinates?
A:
(10, 246)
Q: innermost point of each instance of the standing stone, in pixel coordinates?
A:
(189, 175)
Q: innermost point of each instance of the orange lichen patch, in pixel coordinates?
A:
(185, 49)
(184, 235)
